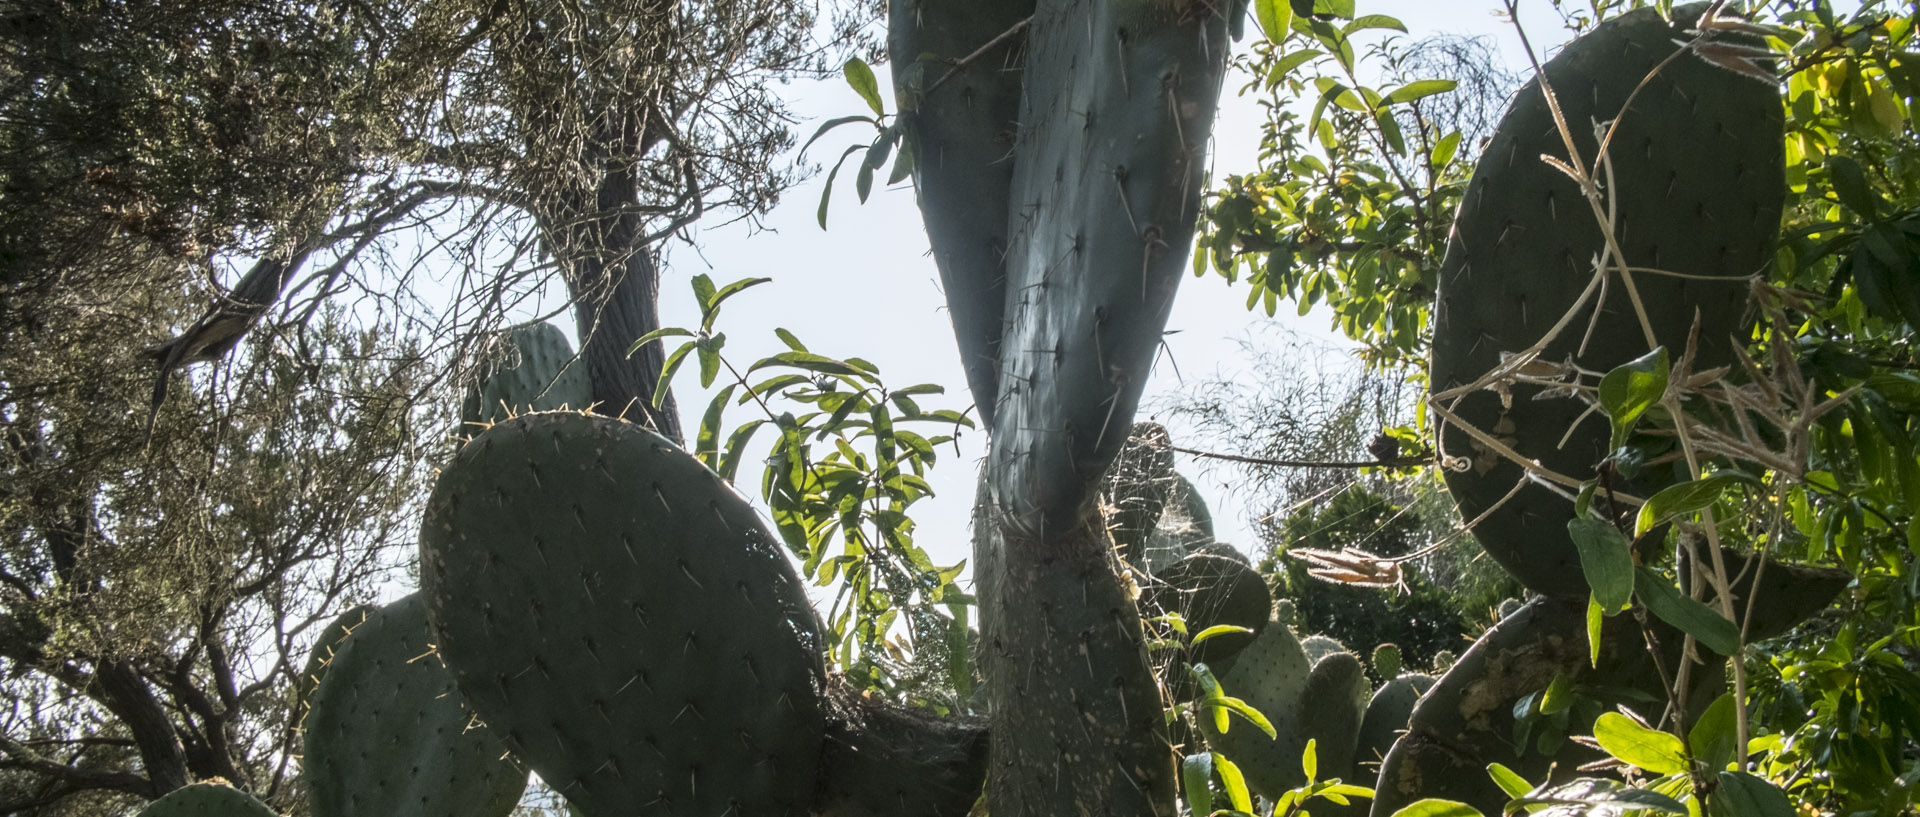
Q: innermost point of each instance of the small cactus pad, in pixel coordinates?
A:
(530, 367)
(387, 734)
(1387, 662)
(207, 800)
(624, 620)
(1209, 591)
(1697, 180)
(1320, 647)
(1331, 707)
(1136, 488)
(1387, 714)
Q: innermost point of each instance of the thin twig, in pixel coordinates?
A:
(961, 64)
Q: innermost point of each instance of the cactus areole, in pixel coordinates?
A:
(624, 621)
(1696, 181)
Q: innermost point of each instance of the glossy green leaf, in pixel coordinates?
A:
(1445, 149)
(805, 360)
(1226, 703)
(830, 125)
(1436, 807)
(1508, 780)
(1219, 629)
(1373, 21)
(1420, 89)
(1744, 795)
(1606, 557)
(1674, 501)
(826, 192)
(1851, 186)
(1712, 737)
(1639, 746)
(1596, 621)
(1632, 388)
(1234, 782)
(1310, 760)
(1276, 18)
(1693, 618)
(860, 77)
(1196, 778)
(669, 332)
(666, 372)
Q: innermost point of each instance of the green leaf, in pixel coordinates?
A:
(669, 332)
(790, 340)
(1196, 777)
(1436, 807)
(666, 372)
(1596, 619)
(863, 181)
(860, 76)
(1744, 795)
(1372, 21)
(706, 441)
(806, 360)
(1276, 18)
(1219, 629)
(1606, 557)
(721, 295)
(703, 290)
(1693, 618)
(1674, 501)
(736, 447)
(1420, 89)
(1632, 388)
(1639, 746)
(1713, 735)
(1509, 781)
(1310, 760)
(1444, 150)
(709, 348)
(1285, 65)
(1226, 703)
(902, 161)
(826, 194)
(1234, 782)
(1850, 184)
(830, 125)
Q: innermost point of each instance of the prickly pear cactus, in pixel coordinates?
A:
(1319, 648)
(1210, 591)
(1387, 714)
(1330, 710)
(1135, 490)
(207, 800)
(387, 734)
(1270, 674)
(530, 367)
(624, 620)
(1386, 662)
(1185, 525)
(1696, 177)
(330, 637)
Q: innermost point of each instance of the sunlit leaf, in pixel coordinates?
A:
(860, 77)
(1639, 746)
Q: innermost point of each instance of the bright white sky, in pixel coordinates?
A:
(867, 287)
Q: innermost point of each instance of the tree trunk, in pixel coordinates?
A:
(616, 302)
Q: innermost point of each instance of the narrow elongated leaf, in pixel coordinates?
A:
(669, 332)
(1218, 629)
(1606, 557)
(1508, 780)
(830, 125)
(1196, 777)
(1234, 782)
(1436, 807)
(1420, 89)
(1227, 703)
(1693, 618)
(806, 360)
(1368, 21)
(1713, 735)
(1639, 746)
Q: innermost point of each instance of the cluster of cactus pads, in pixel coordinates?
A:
(600, 609)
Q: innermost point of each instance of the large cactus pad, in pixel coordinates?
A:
(530, 367)
(624, 620)
(1696, 178)
(207, 800)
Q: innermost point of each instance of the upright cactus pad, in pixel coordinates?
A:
(1270, 674)
(1136, 489)
(624, 620)
(1319, 648)
(1386, 661)
(1114, 122)
(530, 367)
(1387, 714)
(1331, 708)
(1697, 180)
(387, 734)
(1209, 591)
(207, 800)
